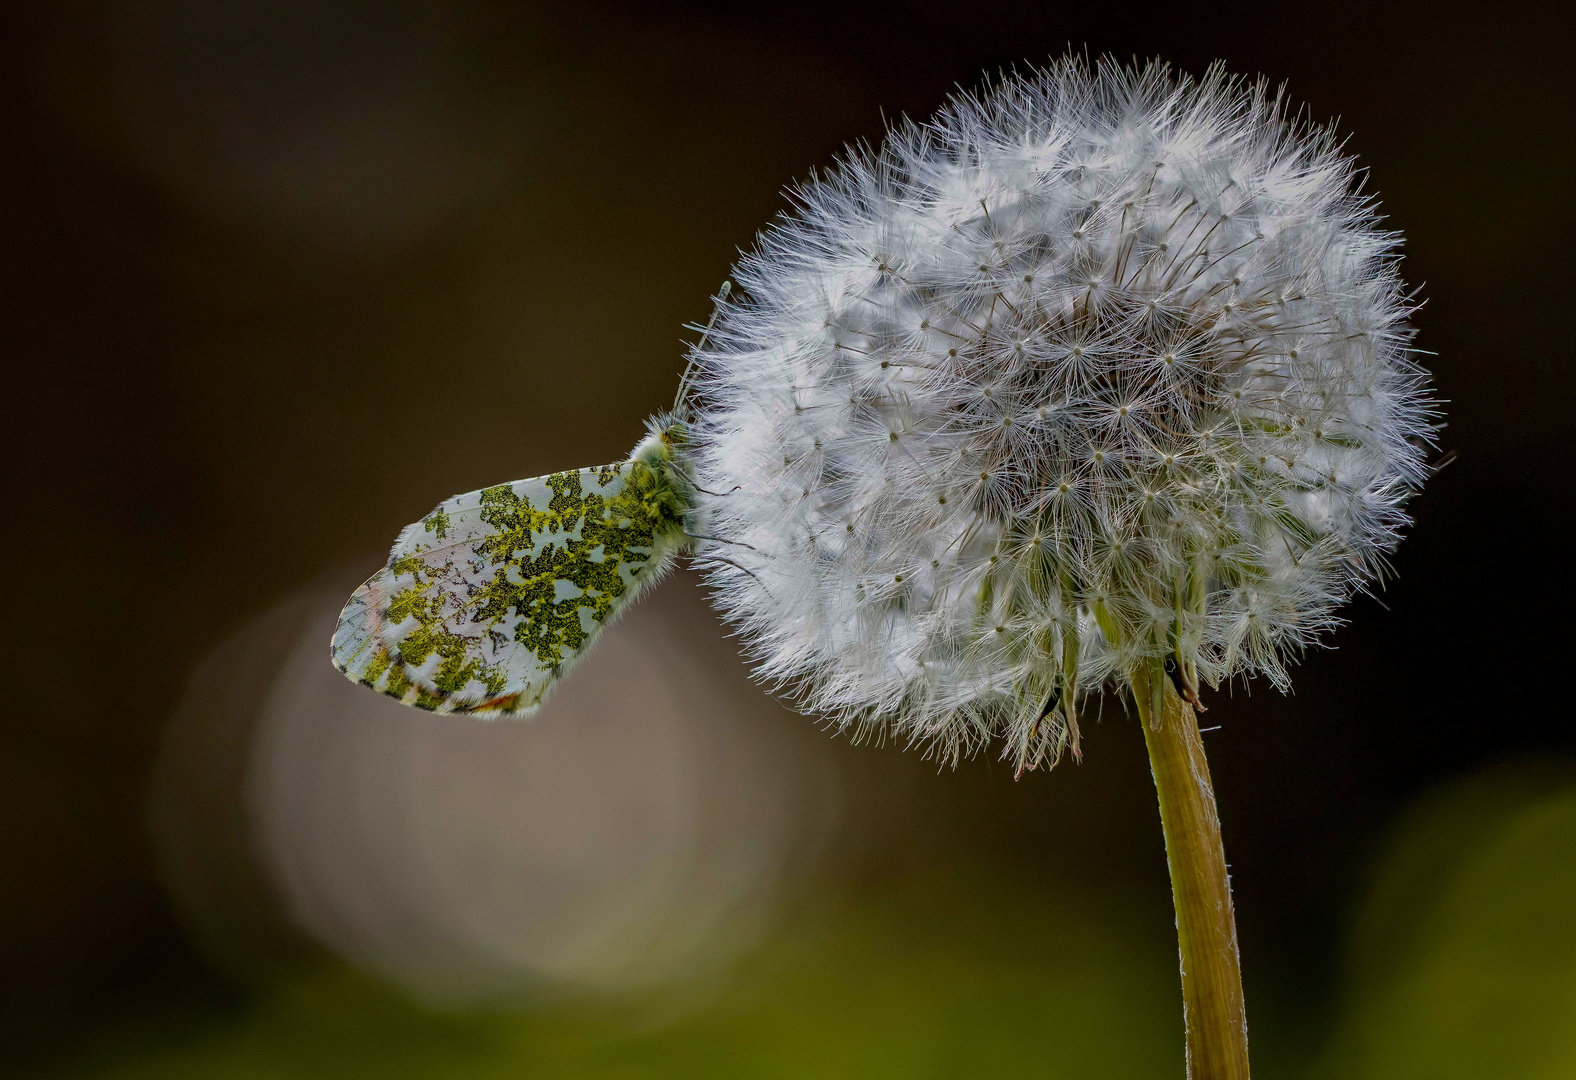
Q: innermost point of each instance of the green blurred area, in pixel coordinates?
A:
(1463, 965)
(934, 978)
(1464, 962)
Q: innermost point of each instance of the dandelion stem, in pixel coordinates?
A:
(1217, 1026)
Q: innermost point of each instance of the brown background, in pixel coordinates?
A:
(275, 278)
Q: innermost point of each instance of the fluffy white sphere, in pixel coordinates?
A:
(1094, 369)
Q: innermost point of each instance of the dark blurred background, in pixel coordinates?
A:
(237, 244)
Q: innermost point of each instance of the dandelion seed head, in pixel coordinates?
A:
(1100, 367)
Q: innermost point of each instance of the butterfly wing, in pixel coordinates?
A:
(489, 598)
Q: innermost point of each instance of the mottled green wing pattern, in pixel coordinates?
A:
(488, 599)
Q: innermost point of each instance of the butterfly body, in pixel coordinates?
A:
(492, 596)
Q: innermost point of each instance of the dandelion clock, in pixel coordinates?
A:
(1097, 381)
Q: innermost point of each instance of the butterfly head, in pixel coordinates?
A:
(664, 456)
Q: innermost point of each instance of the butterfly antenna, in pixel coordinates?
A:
(702, 559)
(689, 368)
(720, 540)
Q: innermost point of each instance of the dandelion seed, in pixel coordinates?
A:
(1247, 296)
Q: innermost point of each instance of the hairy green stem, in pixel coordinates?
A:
(1217, 1025)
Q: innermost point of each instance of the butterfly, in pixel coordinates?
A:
(496, 593)
(489, 599)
